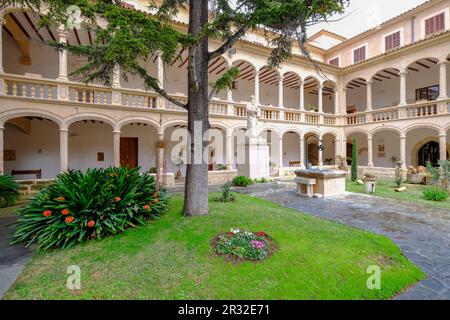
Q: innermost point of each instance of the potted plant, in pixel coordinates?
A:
(414, 176)
(370, 182)
(178, 161)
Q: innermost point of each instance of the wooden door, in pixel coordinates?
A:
(129, 152)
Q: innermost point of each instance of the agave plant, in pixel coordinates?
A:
(81, 206)
(9, 190)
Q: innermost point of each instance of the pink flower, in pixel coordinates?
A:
(258, 244)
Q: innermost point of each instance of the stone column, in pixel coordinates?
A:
(369, 96)
(302, 151)
(280, 93)
(320, 162)
(2, 164)
(336, 101)
(369, 151)
(403, 88)
(160, 73)
(443, 80)
(63, 35)
(320, 89)
(280, 154)
(116, 148)
(443, 146)
(302, 95)
(403, 150)
(337, 148)
(229, 150)
(2, 21)
(160, 157)
(257, 87)
(63, 149)
(344, 101)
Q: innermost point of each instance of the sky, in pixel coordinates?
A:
(362, 15)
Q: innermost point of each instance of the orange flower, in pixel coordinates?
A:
(91, 223)
(146, 207)
(69, 219)
(156, 201)
(117, 199)
(60, 199)
(65, 212)
(47, 213)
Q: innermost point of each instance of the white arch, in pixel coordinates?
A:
(422, 126)
(355, 131)
(92, 116)
(330, 132)
(130, 120)
(17, 113)
(292, 129)
(172, 123)
(269, 128)
(387, 128)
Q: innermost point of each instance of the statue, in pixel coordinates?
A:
(253, 114)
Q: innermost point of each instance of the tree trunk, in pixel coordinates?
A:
(196, 187)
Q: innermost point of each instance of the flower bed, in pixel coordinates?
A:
(244, 245)
(82, 206)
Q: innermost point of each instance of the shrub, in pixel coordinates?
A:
(244, 245)
(9, 191)
(435, 194)
(227, 194)
(242, 181)
(82, 206)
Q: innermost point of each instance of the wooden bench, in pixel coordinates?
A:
(38, 173)
(305, 186)
(293, 164)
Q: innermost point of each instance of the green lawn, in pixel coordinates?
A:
(386, 188)
(172, 259)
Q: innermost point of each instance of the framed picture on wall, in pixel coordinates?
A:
(9, 155)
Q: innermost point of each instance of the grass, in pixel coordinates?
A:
(172, 259)
(385, 188)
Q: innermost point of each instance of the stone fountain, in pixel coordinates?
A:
(327, 183)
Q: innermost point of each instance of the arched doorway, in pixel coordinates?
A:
(429, 153)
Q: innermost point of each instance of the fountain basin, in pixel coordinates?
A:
(327, 183)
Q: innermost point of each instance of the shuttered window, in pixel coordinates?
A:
(334, 62)
(392, 41)
(359, 54)
(435, 24)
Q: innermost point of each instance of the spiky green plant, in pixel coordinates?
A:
(354, 161)
(81, 206)
(9, 190)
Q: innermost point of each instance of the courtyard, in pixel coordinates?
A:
(171, 258)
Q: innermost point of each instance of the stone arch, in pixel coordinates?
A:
(416, 148)
(92, 116)
(431, 126)
(17, 113)
(144, 120)
(385, 128)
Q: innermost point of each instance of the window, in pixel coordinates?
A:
(359, 54)
(435, 24)
(334, 62)
(392, 41)
(427, 94)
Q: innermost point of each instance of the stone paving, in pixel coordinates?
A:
(12, 258)
(422, 232)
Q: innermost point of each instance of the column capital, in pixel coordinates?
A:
(370, 82)
(2, 128)
(369, 137)
(403, 73)
(64, 130)
(444, 62)
(443, 135)
(117, 132)
(402, 136)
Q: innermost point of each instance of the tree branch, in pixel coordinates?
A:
(229, 43)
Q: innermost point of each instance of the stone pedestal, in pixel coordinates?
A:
(328, 183)
(256, 164)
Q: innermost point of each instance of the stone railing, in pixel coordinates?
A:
(412, 111)
(45, 89)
